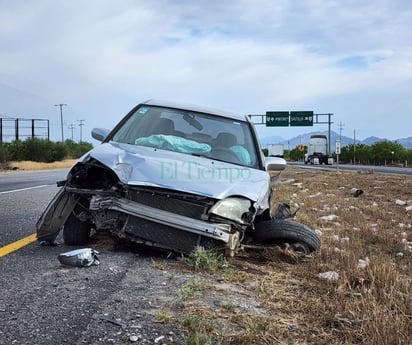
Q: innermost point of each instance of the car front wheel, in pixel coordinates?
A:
(281, 232)
(75, 231)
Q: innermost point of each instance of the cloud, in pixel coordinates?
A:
(102, 57)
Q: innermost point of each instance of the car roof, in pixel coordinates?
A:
(197, 108)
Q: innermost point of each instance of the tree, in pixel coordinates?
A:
(383, 152)
(380, 153)
(296, 155)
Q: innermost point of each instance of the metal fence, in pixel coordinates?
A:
(20, 129)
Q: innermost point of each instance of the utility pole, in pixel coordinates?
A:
(81, 124)
(61, 105)
(340, 126)
(354, 146)
(71, 127)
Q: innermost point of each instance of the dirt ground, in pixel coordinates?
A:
(355, 290)
(29, 165)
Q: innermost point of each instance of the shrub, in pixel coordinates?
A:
(4, 154)
(42, 150)
(76, 150)
(206, 260)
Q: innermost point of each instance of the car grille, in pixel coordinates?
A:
(139, 229)
(185, 204)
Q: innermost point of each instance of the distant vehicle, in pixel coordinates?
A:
(276, 150)
(318, 150)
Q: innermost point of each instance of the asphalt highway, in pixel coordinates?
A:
(364, 168)
(44, 302)
(23, 196)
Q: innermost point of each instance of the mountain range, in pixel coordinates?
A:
(304, 139)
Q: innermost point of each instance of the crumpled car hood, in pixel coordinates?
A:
(138, 165)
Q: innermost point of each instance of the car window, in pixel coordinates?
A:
(188, 132)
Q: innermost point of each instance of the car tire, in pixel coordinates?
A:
(75, 231)
(280, 232)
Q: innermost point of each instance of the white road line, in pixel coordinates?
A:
(23, 189)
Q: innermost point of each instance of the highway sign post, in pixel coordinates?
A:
(277, 119)
(301, 118)
(289, 118)
(337, 148)
(293, 118)
(337, 151)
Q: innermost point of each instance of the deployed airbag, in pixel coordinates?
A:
(173, 143)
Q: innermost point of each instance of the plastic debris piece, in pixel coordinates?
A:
(115, 322)
(400, 202)
(354, 294)
(134, 338)
(346, 320)
(329, 217)
(330, 275)
(50, 243)
(356, 192)
(345, 239)
(315, 195)
(283, 211)
(362, 264)
(335, 238)
(80, 258)
(159, 338)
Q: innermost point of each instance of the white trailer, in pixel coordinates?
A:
(276, 150)
(318, 150)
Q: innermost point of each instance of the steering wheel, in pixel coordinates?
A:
(225, 154)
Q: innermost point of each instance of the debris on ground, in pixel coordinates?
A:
(356, 192)
(332, 276)
(400, 202)
(80, 258)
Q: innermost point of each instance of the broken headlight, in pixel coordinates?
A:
(237, 209)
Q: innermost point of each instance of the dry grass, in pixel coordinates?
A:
(277, 298)
(29, 165)
(366, 305)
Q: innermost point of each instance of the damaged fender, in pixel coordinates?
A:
(53, 218)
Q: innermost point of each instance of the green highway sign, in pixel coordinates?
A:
(277, 119)
(301, 118)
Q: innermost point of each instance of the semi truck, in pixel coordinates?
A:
(318, 150)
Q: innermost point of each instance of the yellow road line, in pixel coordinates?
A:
(17, 245)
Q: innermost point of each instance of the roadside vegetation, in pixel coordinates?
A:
(379, 153)
(355, 290)
(40, 151)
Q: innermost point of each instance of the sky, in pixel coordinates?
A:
(352, 58)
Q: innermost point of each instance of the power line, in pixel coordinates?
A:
(340, 126)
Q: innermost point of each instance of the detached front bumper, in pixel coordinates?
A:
(216, 231)
(137, 222)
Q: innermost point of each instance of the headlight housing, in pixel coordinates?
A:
(237, 209)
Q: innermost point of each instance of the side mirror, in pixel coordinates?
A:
(100, 133)
(275, 164)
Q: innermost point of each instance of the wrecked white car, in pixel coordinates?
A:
(176, 177)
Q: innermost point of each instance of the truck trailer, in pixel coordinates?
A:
(318, 150)
(276, 150)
